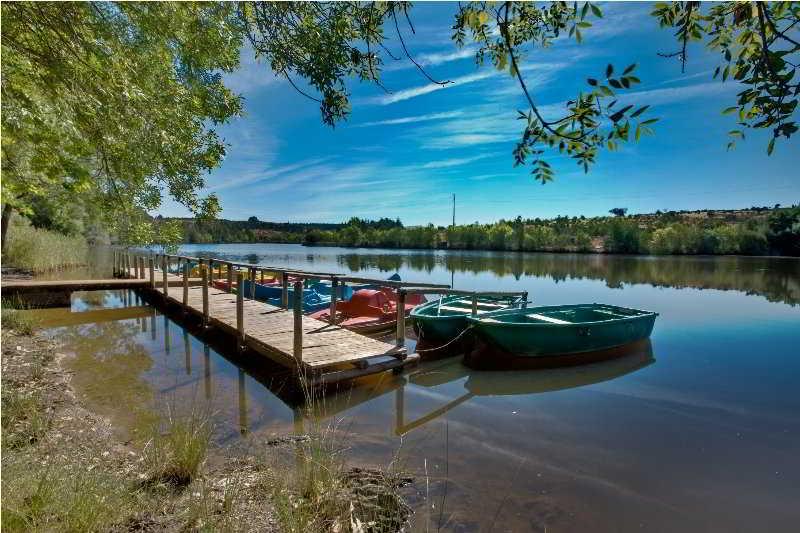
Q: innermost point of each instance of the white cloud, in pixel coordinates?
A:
(251, 74)
(437, 58)
(413, 92)
(253, 176)
(455, 161)
(466, 139)
(411, 119)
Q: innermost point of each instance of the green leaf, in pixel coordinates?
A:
(729, 110)
(609, 70)
(592, 82)
(629, 69)
(596, 11)
(639, 111)
(771, 146)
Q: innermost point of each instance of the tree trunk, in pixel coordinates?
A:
(7, 210)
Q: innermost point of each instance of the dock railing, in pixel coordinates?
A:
(183, 265)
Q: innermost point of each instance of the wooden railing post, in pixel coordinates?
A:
(240, 308)
(284, 290)
(401, 317)
(230, 277)
(114, 269)
(262, 275)
(204, 275)
(152, 266)
(474, 304)
(164, 275)
(252, 283)
(219, 272)
(297, 304)
(141, 268)
(185, 284)
(334, 296)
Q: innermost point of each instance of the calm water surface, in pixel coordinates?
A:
(699, 429)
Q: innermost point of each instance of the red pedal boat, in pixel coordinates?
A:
(368, 311)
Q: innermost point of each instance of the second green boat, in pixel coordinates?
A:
(562, 329)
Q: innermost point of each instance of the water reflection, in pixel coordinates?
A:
(775, 278)
(704, 432)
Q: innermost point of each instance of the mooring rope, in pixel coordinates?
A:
(454, 339)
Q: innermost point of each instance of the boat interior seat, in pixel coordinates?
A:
(480, 304)
(458, 309)
(544, 318)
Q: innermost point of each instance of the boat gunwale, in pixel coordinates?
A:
(416, 313)
(480, 319)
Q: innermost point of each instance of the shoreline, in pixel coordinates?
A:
(100, 477)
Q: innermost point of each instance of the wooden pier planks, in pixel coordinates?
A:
(270, 330)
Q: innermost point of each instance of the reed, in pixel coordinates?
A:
(40, 250)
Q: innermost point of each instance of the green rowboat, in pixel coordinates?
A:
(440, 321)
(562, 329)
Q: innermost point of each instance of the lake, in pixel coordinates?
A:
(698, 429)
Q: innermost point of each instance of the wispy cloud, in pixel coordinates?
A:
(466, 139)
(251, 75)
(411, 119)
(255, 176)
(455, 161)
(413, 92)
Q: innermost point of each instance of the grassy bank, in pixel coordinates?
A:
(65, 468)
(39, 250)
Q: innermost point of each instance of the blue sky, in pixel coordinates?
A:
(403, 154)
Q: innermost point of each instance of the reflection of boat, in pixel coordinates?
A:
(562, 329)
(442, 320)
(496, 383)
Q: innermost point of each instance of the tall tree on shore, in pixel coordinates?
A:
(113, 104)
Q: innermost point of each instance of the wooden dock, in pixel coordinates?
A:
(321, 352)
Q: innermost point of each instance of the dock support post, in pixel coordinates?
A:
(297, 304)
(152, 265)
(204, 274)
(219, 271)
(252, 283)
(185, 284)
(164, 275)
(474, 304)
(334, 297)
(284, 290)
(401, 318)
(230, 276)
(240, 309)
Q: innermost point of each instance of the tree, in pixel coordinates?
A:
(618, 211)
(109, 104)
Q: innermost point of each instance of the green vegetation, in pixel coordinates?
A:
(174, 455)
(109, 106)
(756, 231)
(39, 250)
(18, 320)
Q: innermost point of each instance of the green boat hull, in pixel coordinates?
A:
(436, 327)
(514, 332)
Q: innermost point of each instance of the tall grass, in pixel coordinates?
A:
(40, 250)
(18, 320)
(174, 455)
(319, 492)
(61, 498)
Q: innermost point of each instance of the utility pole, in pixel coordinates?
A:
(454, 210)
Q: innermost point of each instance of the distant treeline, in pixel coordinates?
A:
(754, 231)
(254, 230)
